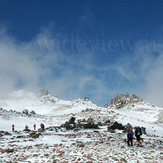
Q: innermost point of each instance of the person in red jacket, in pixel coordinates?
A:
(42, 126)
(13, 128)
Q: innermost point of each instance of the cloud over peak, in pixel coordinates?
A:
(42, 63)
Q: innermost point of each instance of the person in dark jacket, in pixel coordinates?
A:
(138, 133)
(130, 137)
(26, 128)
(34, 126)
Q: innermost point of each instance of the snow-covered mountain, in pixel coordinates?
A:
(121, 101)
(26, 108)
(42, 102)
(54, 111)
(134, 105)
(49, 109)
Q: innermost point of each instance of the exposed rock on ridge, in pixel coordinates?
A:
(122, 100)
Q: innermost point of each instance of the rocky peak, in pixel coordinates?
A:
(83, 100)
(122, 100)
(42, 92)
(45, 96)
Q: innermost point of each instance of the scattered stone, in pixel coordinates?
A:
(21, 136)
(143, 129)
(32, 112)
(2, 133)
(8, 150)
(148, 158)
(107, 122)
(123, 160)
(81, 145)
(40, 130)
(111, 130)
(34, 135)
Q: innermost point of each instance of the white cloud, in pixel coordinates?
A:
(151, 67)
(41, 63)
(17, 69)
(153, 91)
(38, 64)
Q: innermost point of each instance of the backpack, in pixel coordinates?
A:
(139, 131)
(131, 132)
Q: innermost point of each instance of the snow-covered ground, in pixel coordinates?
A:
(76, 146)
(83, 146)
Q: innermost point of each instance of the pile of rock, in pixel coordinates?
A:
(119, 126)
(34, 135)
(2, 133)
(70, 124)
(26, 112)
(89, 123)
(122, 100)
(84, 124)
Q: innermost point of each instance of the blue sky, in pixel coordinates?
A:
(83, 48)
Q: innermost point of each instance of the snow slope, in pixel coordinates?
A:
(53, 111)
(49, 109)
(42, 103)
(84, 145)
(133, 110)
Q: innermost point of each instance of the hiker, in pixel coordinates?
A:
(13, 127)
(138, 133)
(26, 128)
(130, 136)
(34, 126)
(42, 126)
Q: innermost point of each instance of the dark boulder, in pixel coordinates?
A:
(32, 112)
(25, 111)
(90, 125)
(116, 125)
(143, 129)
(53, 128)
(69, 125)
(72, 120)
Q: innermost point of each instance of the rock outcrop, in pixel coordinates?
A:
(84, 124)
(122, 100)
(70, 124)
(89, 123)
